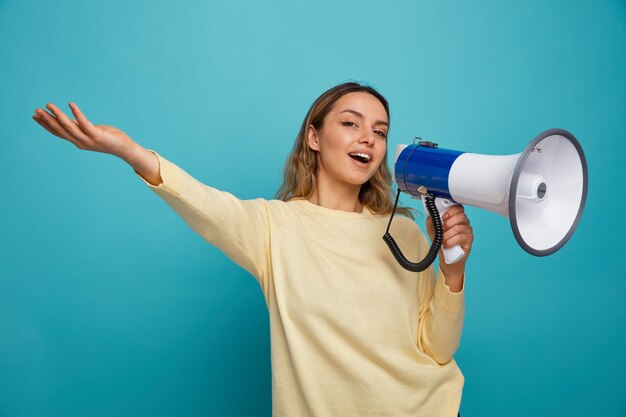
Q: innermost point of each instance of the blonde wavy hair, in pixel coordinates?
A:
(299, 173)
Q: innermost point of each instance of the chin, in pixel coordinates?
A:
(359, 180)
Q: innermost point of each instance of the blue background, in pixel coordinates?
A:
(111, 305)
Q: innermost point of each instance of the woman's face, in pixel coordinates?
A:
(352, 141)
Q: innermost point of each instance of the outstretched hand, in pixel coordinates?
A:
(82, 133)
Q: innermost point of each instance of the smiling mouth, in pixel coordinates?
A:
(361, 157)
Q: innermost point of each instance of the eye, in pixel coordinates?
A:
(348, 123)
(381, 134)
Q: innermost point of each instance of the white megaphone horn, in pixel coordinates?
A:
(542, 190)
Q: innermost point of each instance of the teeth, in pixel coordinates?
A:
(362, 155)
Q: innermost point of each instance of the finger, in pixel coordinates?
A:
(464, 239)
(84, 124)
(69, 125)
(454, 210)
(39, 119)
(459, 218)
(457, 230)
(52, 122)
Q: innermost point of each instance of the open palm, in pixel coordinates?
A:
(81, 132)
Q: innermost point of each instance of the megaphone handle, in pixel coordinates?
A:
(455, 253)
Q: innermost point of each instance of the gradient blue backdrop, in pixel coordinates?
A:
(111, 305)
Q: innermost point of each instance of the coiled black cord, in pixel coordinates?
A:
(434, 247)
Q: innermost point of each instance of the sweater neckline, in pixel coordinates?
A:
(307, 205)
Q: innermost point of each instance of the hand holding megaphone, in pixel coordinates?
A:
(454, 253)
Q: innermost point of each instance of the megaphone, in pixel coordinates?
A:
(542, 190)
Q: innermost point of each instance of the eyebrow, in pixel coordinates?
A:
(356, 113)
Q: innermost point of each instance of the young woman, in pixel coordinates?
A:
(352, 333)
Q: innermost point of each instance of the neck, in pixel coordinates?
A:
(344, 197)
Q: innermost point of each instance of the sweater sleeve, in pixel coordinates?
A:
(441, 314)
(239, 228)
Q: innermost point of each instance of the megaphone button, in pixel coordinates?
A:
(427, 144)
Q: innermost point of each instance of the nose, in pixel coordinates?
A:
(367, 138)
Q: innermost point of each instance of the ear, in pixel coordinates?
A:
(312, 139)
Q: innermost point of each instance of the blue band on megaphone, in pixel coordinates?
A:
(426, 166)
